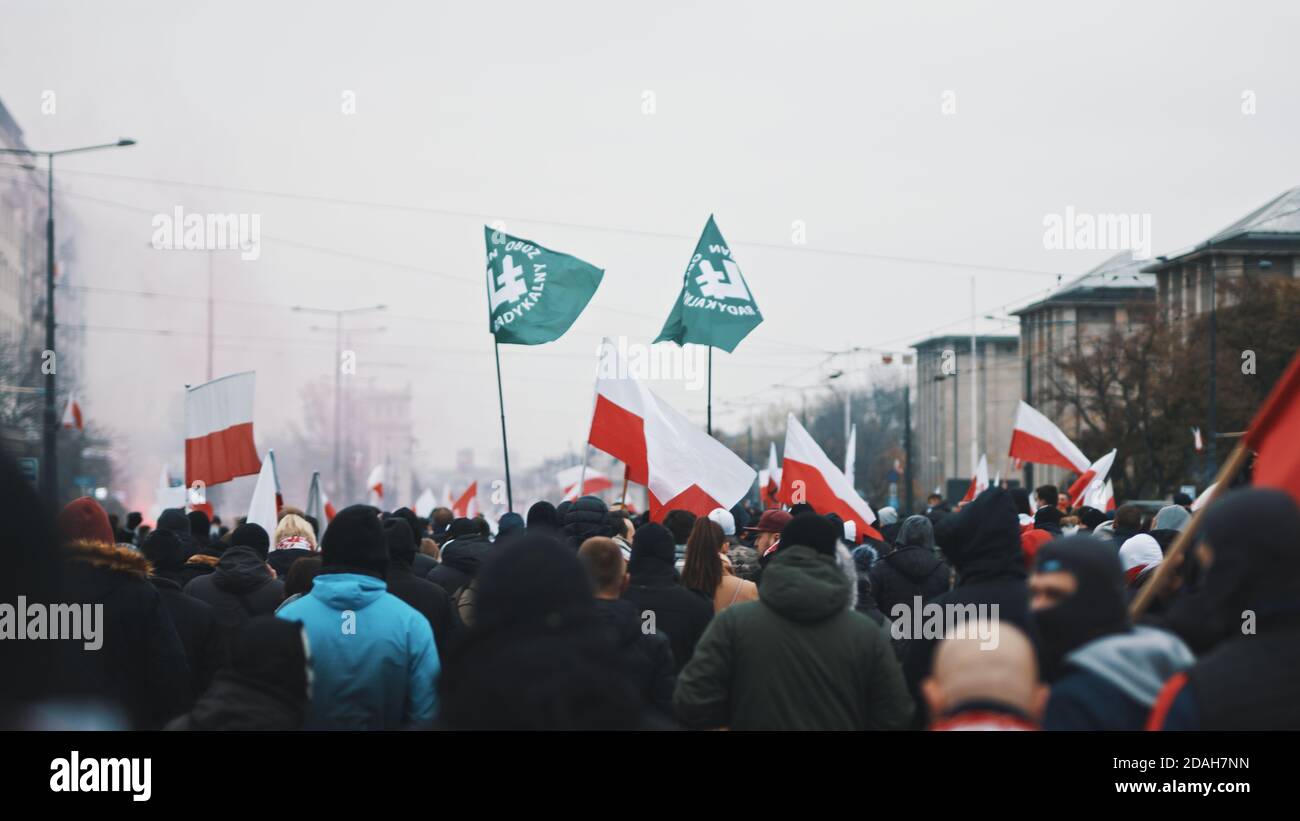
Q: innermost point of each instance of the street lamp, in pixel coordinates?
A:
(50, 476)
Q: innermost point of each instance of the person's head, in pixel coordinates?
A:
(355, 543)
(164, 551)
(113, 521)
(623, 525)
(723, 519)
(509, 523)
(1077, 595)
(441, 518)
(200, 526)
(886, 516)
(703, 568)
(1182, 500)
(933, 500)
(301, 573)
(273, 655)
(653, 552)
(289, 510)
(1249, 549)
(1171, 517)
(542, 515)
(1090, 517)
(811, 530)
(401, 546)
(1128, 518)
(133, 520)
(915, 531)
(430, 548)
(251, 535)
(801, 508)
(603, 559)
(970, 669)
(83, 522)
(1138, 554)
(768, 530)
(294, 531)
(1047, 495)
(680, 523)
(982, 540)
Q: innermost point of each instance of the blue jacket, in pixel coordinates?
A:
(375, 665)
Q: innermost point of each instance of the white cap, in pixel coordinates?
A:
(724, 520)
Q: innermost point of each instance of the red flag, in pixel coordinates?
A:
(807, 475)
(469, 499)
(219, 430)
(72, 415)
(1037, 440)
(1274, 432)
(979, 482)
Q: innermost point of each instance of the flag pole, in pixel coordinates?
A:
(709, 407)
(1235, 462)
(501, 402)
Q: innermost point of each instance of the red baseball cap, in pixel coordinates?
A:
(772, 521)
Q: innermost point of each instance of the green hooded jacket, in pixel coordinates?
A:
(796, 659)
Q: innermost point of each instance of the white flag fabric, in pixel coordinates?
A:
(808, 475)
(261, 509)
(682, 466)
(980, 481)
(219, 430)
(375, 482)
(1037, 440)
(1094, 476)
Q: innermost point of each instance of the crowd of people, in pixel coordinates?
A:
(584, 615)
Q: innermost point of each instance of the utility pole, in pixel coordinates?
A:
(974, 386)
(910, 503)
(49, 474)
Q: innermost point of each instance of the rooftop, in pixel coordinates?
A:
(1118, 279)
(1273, 223)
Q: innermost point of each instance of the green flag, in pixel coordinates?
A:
(715, 306)
(534, 293)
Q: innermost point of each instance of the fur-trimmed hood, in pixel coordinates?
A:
(116, 557)
(204, 558)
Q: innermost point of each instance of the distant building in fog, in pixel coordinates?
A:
(941, 452)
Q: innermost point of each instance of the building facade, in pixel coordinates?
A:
(945, 373)
(1265, 244)
(1073, 320)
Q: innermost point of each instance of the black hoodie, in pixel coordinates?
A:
(911, 569)
(646, 657)
(241, 587)
(982, 541)
(265, 687)
(680, 613)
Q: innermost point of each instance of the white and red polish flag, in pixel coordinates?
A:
(593, 482)
(979, 482)
(769, 481)
(375, 482)
(425, 504)
(1101, 496)
(219, 430)
(1035, 439)
(319, 505)
(72, 415)
(1205, 495)
(807, 475)
(1092, 478)
(1197, 442)
(467, 505)
(681, 466)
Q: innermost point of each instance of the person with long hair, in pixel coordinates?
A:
(707, 573)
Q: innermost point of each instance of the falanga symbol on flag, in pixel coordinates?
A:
(534, 293)
(715, 306)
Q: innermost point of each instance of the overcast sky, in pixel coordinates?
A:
(832, 114)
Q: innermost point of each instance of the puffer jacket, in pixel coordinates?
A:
(373, 656)
(797, 659)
